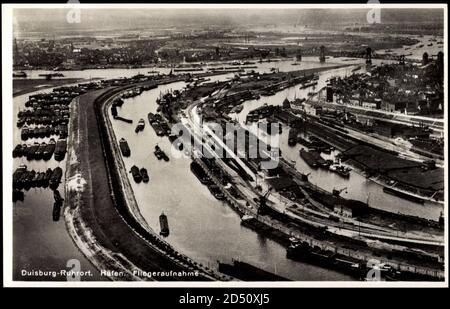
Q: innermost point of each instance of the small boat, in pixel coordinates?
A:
(20, 74)
(340, 170)
(124, 148)
(144, 174)
(136, 174)
(164, 225)
(140, 126)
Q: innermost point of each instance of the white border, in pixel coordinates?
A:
(7, 39)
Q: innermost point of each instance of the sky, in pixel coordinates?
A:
(106, 19)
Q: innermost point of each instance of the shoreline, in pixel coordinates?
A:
(40, 84)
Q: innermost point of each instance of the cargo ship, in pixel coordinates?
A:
(140, 126)
(124, 147)
(136, 174)
(403, 195)
(164, 225)
(302, 251)
(198, 171)
(144, 173)
(248, 272)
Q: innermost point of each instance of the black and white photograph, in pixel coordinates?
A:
(225, 145)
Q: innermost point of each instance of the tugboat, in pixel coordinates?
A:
(340, 170)
(136, 174)
(144, 174)
(140, 126)
(164, 225)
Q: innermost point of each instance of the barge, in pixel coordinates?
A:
(136, 174)
(60, 149)
(198, 171)
(164, 225)
(124, 148)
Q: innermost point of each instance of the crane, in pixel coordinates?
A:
(263, 200)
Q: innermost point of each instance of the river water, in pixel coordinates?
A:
(200, 226)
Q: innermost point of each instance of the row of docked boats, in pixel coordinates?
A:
(46, 116)
(160, 125)
(132, 93)
(44, 131)
(309, 84)
(41, 151)
(203, 177)
(139, 174)
(26, 179)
